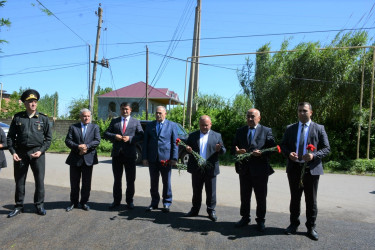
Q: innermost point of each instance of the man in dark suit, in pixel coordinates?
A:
(124, 131)
(296, 138)
(209, 145)
(82, 139)
(159, 144)
(253, 171)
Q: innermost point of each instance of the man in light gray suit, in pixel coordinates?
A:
(293, 146)
(82, 139)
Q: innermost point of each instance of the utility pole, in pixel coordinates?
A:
(146, 82)
(194, 68)
(95, 60)
(89, 76)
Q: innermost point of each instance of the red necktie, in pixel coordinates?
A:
(124, 127)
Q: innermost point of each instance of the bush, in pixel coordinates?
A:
(333, 165)
(105, 146)
(58, 144)
(355, 166)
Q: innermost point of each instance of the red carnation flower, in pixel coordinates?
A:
(310, 147)
(178, 140)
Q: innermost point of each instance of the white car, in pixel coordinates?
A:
(5, 127)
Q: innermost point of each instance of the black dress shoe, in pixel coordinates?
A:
(243, 222)
(16, 211)
(312, 234)
(212, 216)
(130, 205)
(70, 208)
(150, 208)
(166, 208)
(41, 211)
(261, 227)
(191, 213)
(292, 229)
(114, 206)
(85, 207)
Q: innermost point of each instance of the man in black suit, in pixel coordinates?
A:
(253, 171)
(159, 144)
(82, 139)
(296, 138)
(209, 145)
(124, 131)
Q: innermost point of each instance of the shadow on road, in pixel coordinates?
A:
(200, 224)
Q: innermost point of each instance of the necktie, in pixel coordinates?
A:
(124, 127)
(301, 142)
(251, 135)
(160, 127)
(84, 130)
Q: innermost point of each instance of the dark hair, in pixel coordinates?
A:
(125, 104)
(304, 104)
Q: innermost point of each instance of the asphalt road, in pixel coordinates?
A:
(346, 218)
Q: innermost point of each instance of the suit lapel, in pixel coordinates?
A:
(210, 141)
(257, 132)
(311, 129)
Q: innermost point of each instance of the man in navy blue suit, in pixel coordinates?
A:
(293, 146)
(208, 144)
(124, 131)
(159, 144)
(254, 171)
(82, 139)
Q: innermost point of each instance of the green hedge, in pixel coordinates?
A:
(360, 166)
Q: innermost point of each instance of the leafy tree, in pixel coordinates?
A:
(3, 22)
(46, 104)
(329, 79)
(78, 104)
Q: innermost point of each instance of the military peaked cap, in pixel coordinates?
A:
(30, 94)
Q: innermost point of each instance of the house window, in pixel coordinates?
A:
(112, 107)
(135, 107)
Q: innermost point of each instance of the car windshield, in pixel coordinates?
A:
(181, 130)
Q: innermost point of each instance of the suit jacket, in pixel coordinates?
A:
(133, 130)
(160, 147)
(211, 155)
(75, 137)
(317, 136)
(262, 139)
(3, 140)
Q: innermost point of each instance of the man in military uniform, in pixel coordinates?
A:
(28, 139)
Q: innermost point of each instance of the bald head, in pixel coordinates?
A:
(205, 123)
(252, 117)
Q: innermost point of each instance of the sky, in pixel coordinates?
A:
(50, 52)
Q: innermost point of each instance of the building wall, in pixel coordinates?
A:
(104, 103)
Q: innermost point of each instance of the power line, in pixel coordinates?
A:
(184, 60)
(62, 22)
(72, 66)
(41, 51)
(242, 36)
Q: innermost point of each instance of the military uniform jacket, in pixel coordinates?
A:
(29, 134)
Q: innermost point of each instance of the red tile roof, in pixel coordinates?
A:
(138, 90)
